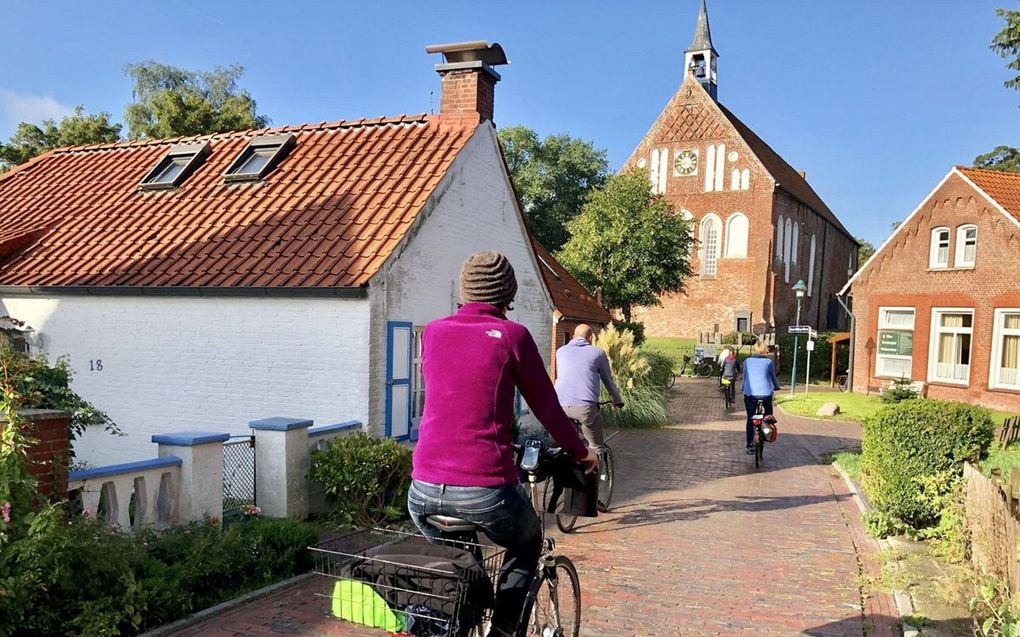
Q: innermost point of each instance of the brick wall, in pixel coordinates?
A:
(899, 276)
(48, 455)
(467, 91)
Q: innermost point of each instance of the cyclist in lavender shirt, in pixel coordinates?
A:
(580, 369)
(472, 362)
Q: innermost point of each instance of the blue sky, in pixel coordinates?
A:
(875, 99)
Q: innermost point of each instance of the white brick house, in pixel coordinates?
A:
(205, 282)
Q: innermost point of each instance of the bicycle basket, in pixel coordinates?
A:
(402, 582)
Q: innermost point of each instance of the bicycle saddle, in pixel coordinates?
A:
(450, 523)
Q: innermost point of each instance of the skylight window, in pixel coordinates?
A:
(260, 156)
(174, 167)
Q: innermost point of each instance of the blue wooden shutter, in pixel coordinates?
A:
(399, 340)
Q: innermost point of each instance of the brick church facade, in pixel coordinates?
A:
(758, 226)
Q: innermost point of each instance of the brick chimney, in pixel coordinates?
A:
(468, 79)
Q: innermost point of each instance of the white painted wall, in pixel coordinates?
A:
(473, 209)
(172, 364)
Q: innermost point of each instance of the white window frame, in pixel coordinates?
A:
(732, 251)
(935, 330)
(961, 246)
(417, 377)
(880, 372)
(796, 243)
(811, 268)
(663, 169)
(787, 249)
(998, 336)
(933, 249)
(779, 238)
(710, 168)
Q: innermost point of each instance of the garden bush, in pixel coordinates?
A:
(660, 368)
(913, 453)
(366, 477)
(641, 378)
(635, 328)
(821, 358)
(85, 578)
(900, 390)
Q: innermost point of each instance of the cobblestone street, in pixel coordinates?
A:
(698, 541)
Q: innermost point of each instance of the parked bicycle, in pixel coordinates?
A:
(700, 366)
(841, 381)
(552, 607)
(566, 521)
(764, 431)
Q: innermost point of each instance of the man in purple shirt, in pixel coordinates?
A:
(463, 463)
(580, 369)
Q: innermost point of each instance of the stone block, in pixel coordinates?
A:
(827, 410)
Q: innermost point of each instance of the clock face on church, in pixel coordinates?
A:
(686, 163)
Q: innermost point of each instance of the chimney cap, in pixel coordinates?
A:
(476, 51)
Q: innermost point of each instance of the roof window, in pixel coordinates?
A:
(259, 157)
(179, 162)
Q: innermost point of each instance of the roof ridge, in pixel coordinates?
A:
(1005, 173)
(419, 118)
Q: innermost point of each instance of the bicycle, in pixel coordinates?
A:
(763, 430)
(552, 607)
(565, 522)
(841, 381)
(700, 366)
(729, 391)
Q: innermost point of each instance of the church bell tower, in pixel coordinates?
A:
(701, 58)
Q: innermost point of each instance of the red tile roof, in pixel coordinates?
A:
(1003, 187)
(569, 297)
(327, 216)
(787, 178)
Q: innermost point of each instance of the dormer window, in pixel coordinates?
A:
(259, 157)
(179, 162)
(966, 246)
(938, 256)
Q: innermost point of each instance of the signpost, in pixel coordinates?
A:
(812, 334)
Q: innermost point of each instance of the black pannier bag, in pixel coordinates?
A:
(447, 580)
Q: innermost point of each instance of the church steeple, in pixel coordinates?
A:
(701, 57)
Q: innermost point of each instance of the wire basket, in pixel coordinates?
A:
(403, 583)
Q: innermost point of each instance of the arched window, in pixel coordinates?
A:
(787, 249)
(663, 170)
(735, 179)
(720, 166)
(745, 179)
(653, 172)
(736, 236)
(938, 255)
(811, 267)
(710, 168)
(778, 247)
(966, 246)
(711, 229)
(687, 216)
(796, 245)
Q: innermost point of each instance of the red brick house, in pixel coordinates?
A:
(759, 225)
(939, 302)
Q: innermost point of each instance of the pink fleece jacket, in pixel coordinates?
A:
(472, 361)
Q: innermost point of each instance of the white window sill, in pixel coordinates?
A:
(944, 381)
(963, 268)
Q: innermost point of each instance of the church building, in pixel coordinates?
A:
(759, 226)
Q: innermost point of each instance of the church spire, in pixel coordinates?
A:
(700, 58)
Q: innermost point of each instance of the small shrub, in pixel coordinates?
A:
(635, 328)
(732, 338)
(641, 378)
(912, 451)
(900, 390)
(660, 368)
(367, 477)
(995, 611)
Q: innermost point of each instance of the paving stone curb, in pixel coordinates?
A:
(904, 604)
(212, 611)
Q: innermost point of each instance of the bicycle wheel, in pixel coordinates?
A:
(606, 469)
(704, 370)
(759, 453)
(553, 606)
(672, 380)
(566, 522)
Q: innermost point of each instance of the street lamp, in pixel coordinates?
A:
(800, 289)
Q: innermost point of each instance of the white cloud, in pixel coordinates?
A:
(19, 107)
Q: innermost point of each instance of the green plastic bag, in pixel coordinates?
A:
(359, 603)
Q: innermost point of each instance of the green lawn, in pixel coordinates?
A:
(853, 407)
(675, 348)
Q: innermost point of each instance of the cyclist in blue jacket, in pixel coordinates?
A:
(760, 382)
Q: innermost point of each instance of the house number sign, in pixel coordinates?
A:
(96, 365)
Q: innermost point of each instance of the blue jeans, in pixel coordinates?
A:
(751, 405)
(506, 516)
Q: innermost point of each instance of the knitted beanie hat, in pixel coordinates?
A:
(488, 277)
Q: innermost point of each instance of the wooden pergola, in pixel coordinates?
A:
(835, 340)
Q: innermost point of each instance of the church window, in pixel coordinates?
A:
(711, 229)
(663, 170)
(689, 218)
(778, 247)
(653, 172)
(811, 268)
(720, 166)
(787, 249)
(745, 179)
(796, 236)
(736, 236)
(735, 179)
(710, 168)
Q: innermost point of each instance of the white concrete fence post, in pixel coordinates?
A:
(282, 466)
(201, 454)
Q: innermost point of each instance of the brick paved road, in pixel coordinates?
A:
(698, 543)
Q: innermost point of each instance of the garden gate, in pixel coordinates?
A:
(238, 474)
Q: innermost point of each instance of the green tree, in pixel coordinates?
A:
(628, 242)
(1007, 44)
(173, 102)
(553, 178)
(1002, 158)
(864, 251)
(78, 129)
